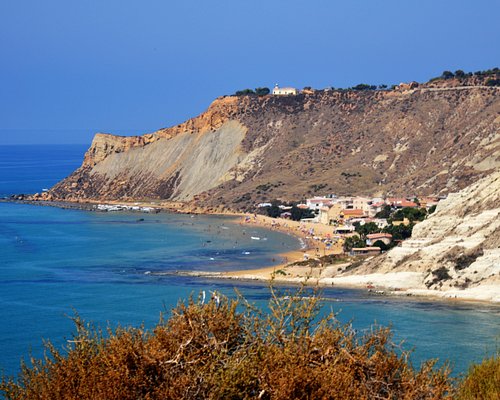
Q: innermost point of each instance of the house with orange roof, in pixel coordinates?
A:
(400, 202)
(386, 238)
(352, 213)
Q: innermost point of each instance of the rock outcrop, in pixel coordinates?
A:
(457, 249)
(248, 149)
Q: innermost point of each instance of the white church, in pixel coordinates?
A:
(284, 91)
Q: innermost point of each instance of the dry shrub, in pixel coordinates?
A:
(482, 381)
(227, 349)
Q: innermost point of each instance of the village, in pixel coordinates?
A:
(356, 225)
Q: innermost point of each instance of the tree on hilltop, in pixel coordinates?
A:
(244, 92)
(364, 86)
(262, 91)
(447, 75)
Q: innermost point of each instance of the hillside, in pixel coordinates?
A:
(426, 140)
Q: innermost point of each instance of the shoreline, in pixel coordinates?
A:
(390, 285)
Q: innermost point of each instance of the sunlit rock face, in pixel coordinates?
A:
(249, 149)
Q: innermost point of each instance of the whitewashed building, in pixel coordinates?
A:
(362, 203)
(284, 91)
(316, 203)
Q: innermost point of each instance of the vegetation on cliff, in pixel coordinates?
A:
(227, 349)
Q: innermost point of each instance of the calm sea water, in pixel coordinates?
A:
(104, 265)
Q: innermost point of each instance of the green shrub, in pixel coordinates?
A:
(262, 91)
(493, 82)
(381, 245)
(244, 92)
(353, 242)
(447, 75)
(482, 381)
(364, 86)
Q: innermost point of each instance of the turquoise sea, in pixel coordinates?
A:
(105, 266)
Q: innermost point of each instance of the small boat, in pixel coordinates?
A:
(254, 237)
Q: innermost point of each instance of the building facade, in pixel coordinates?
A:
(285, 91)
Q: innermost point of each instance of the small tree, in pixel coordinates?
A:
(399, 232)
(262, 91)
(385, 212)
(352, 242)
(364, 86)
(366, 229)
(381, 245)
(413, 214)
(274, 211)
(447, 75)
(244, 92)
(299, 213)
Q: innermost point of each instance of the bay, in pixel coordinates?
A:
(56, 262)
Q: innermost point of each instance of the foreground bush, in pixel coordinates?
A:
(226, 349)
(482, 381)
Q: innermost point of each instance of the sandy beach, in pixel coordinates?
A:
(313, 236)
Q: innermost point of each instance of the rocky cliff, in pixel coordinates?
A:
(457, 249)
(248, 149)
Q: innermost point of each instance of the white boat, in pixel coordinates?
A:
(254, 237)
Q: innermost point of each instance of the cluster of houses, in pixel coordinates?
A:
(334, 210)
(342, 213)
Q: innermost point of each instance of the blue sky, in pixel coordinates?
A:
(78, 67)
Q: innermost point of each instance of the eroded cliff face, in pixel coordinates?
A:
(457, 247)
(244, 150)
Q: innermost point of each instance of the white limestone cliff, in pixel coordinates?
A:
(455, 252)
